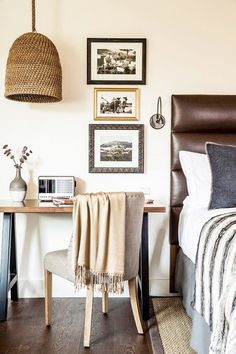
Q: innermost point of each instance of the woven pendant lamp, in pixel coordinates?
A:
(33, 71)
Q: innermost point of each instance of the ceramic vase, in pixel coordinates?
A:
(18, 187)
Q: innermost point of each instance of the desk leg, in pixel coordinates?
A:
(13, 265)
(144, 270)
(5, 264)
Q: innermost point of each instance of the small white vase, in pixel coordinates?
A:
(18, 187)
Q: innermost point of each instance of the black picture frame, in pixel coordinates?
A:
(132, 74)
(97, 165)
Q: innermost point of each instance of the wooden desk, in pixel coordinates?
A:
(8, 275)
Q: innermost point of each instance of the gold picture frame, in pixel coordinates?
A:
(116, 104)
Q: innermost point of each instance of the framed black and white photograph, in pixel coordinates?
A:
(116, 148)
(116, 61)
(116, 104)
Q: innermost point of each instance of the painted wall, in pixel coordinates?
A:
(190, 49)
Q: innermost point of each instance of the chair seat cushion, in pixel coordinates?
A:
(57, 263)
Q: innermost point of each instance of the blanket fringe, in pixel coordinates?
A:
(111, 282)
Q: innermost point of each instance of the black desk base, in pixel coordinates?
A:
(143, 277)
(8, 279)
(8, 275)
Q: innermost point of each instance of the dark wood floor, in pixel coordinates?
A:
(25, 332)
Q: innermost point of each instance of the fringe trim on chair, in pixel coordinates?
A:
(112, 283)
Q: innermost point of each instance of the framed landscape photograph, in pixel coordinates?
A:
(116, 148)
(116, 61)
(116, 104)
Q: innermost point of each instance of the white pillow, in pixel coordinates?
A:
(196, 168)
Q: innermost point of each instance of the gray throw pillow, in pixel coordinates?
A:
(222, 160)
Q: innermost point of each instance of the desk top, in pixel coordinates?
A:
(34, 206)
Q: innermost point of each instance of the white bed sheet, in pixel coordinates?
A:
(191, 222)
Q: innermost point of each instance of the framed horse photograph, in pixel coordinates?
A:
(116, 104)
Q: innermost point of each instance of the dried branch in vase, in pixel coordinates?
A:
(25, 153)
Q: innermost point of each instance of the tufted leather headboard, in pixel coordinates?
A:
(195, 120)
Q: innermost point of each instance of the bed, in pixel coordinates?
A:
(196, 119)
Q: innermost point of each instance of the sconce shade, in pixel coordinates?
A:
(33, 71)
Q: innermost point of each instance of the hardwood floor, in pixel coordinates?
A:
(25, 332)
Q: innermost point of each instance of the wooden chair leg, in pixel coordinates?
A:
(135, 305)
(48, 297)
(88, 315)
(104, 300)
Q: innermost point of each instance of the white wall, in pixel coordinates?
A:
(190, 49)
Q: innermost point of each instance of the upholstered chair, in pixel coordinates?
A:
(59, 263)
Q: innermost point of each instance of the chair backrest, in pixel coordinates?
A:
(133, 223)
(134, 220)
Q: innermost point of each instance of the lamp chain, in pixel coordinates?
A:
(33, 16)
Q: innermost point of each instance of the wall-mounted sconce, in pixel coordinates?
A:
(157, 121)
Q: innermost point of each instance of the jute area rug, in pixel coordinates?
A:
(173, 324)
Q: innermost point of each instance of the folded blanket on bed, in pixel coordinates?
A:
(224, 335)
(215, 295)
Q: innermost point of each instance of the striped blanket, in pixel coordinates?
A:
(215, 285)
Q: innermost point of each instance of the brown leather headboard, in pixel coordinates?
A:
(195, 120)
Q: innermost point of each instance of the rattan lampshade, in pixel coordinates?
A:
(33, 71)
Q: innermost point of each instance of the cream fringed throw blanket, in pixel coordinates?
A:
(98, 246)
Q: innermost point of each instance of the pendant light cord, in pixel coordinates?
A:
(33, 16)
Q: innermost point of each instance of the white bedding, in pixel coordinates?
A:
(191, 222)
